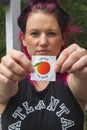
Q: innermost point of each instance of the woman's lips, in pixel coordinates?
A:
(43, 52)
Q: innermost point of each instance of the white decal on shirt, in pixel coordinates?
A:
(53, 104)
(66, 123)
(15, 126)
(27, 108)
(18, 113)
(22, 112)
(40, 105)
(64, 109)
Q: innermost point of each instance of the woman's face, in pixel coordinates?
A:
(43, 35)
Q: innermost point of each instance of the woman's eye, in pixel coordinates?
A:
(52, 34)
(34, 33)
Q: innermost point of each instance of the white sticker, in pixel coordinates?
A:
(44, 68)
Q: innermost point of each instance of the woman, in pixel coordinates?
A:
(44, 105)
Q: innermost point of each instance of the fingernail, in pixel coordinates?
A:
(56, 68)
(61, 71)
(31, 69)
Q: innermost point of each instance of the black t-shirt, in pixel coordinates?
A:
(54, 108)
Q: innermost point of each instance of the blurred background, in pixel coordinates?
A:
(77, 9)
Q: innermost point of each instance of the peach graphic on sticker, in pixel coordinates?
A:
(43, 67)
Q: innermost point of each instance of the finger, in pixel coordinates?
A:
(72, 59)
(5, 80)
(22, 60)
(80, 64)
(13, 66)
(16, 64)
(81, 74)
(64, 55)
(9, 74)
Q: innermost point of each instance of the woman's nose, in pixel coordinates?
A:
(43, 40)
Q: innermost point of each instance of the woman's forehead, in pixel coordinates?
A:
(42, 19)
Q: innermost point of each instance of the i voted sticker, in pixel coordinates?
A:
(44, 68)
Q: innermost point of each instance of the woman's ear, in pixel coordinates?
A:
(22, 37)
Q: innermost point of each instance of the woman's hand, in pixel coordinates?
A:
(73, 59)
(13, 68)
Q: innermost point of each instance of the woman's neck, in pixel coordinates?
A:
(41, 85)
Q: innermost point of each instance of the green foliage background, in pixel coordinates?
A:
(2, 31)
(76, 8)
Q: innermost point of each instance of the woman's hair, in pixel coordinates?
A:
(48, 6)
(51, 7)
